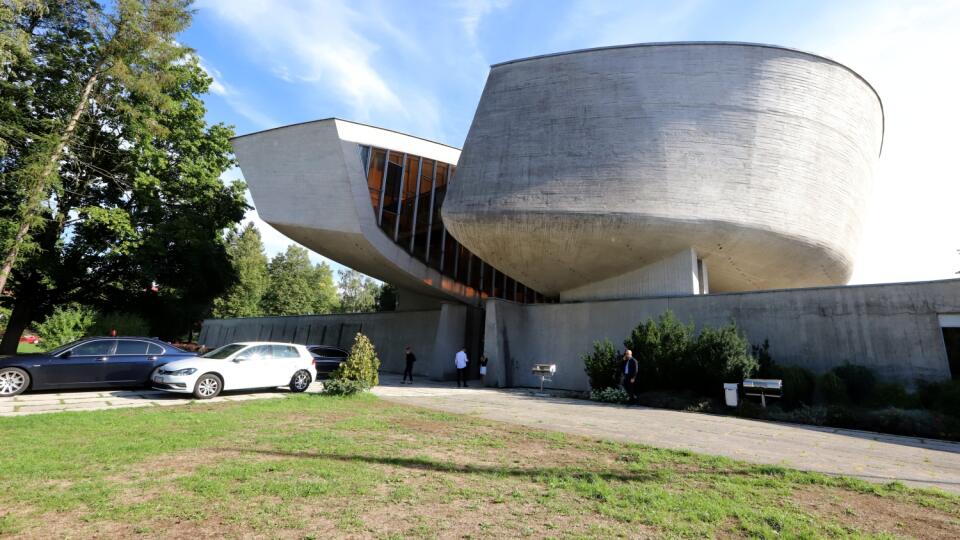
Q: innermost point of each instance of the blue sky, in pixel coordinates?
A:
(419, 67)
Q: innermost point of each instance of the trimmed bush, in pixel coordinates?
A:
(831, 390)
(859, 381)
(720, 355)
(893, 395)
(798, 384)
(343, 387)
(662, 349)
(941, 396)
(362, 365)
(65, 324)
(602, 366)
(610, 395)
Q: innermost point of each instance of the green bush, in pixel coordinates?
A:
(362, 364)
(343, 387)
(893, 395)
(720, 355)
(65, 324)
(943, 396)
(765, 362)
(126, 324)
(662, 349)
(798, 384)
(831, 390)
(859, 381)
(603, 365)
(610, 395)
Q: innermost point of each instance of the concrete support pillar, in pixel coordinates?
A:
(450, 338)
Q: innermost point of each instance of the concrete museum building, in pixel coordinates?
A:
(597, 189)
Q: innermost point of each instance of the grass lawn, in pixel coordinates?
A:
(27, 348)
(322, 467)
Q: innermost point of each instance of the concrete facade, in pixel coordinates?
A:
(894, 329)
(584, 166)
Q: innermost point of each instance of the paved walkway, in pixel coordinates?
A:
(871, 456)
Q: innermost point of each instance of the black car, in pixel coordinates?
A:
(87, 363)
(326, 359)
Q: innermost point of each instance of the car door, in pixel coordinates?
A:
(129, 363)
(82, 365)
(327, 359)
(250, 369)
(286, 362)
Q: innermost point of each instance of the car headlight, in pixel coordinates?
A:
(181, 372)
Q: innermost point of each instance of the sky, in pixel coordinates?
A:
(419, 67)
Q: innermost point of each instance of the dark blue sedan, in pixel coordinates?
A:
(87, 363)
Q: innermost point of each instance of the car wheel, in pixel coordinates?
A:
(208, 386)
(300, 381)
(13, 381)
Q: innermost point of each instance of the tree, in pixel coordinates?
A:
(387, 298)
(292, 289)
(326, 299)
(250, 264)
(362, 364)
(124, 50)
(358, 293)
(136, 197)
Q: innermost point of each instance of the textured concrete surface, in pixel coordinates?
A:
(584, 166)
(893, 329)
(871, 456)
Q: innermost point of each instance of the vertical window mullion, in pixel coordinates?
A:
(443, 246)
(433, 190)
(396, 223)
(416, 206)
(383, 186)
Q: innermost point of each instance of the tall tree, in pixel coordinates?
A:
(358, 293)
(327, 300)
(125, 48)
(250, 264)
(137, 197)
(292, 290)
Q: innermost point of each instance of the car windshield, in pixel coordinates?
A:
(223, 352)
(62, 348)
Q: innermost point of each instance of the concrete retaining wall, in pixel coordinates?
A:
(891, 328)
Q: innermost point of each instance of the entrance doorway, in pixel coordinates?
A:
(950, 326)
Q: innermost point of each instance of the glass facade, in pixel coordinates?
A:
(406, 192)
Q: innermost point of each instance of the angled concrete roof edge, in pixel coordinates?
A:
(336, 119)
(724, 43)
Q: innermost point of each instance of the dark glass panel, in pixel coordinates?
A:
(391, 194)
(510, 289)
(496, 284)
(450, 248)
(436, 245)
(463, 264)
(473, 276)
(364, 156)
(375, 178)
(408, 196)
(424, 210)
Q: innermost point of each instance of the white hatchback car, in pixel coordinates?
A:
(238, 366)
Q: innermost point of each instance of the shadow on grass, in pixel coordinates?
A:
(423, 464)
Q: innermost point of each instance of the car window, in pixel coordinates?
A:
(285, 351)
(258, 352)
(100, 347)
(130, 346)
(328, 352)
(154, 349)
(223, 352)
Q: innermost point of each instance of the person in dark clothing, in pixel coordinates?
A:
(630, 369)
(408, 371)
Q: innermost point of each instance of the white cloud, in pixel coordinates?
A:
(235, 99)
(474, 11)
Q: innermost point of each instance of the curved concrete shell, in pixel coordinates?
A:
(584, 171)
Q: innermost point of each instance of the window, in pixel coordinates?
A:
(391, 194)
(101, 347)
(285, 351)
(375, 178)
(154, 350)
(129, 346)
(408, 199)
(258, 352)
(223, 352)
(328, 352)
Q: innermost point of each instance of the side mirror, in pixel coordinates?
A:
(240, 359)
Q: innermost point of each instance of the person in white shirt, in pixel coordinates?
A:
(461, 362)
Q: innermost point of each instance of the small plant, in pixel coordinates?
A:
(65, 324)
(610, 395)
(343, 387)
(602, 365)
(362, 365)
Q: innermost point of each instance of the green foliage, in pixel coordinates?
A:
(387, 297)
(721, 355)
(343, 387)
(663, 351)
(250, 264)
(765, 360)
(890, 394)
(358, 293)
(799, 384)
(326, 299)
(831, 390)
(610, 395)
(603, 366)
(125, 324)
(943, 396)
(362, 365)
(65, 324)
(859, 382)
(296, 287)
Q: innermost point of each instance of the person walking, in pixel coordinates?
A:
(630, 369)
(483, 369)
(461, 361)
(408, 370)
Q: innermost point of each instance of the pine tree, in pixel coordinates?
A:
(250, 264)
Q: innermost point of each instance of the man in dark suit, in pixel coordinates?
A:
(630, 369)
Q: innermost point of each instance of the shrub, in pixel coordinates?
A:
(343, 387)
(765, 363)
(831, 390)
(65, 324)
(860, 382)
(126, 324)
(798, 384)
(943, 396)
(603, 365)
(610, 395)
(662, 349)
(362, 363)
(893, 395)
(720, 355)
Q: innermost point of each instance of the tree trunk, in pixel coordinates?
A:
(20, 317)
(37, 190)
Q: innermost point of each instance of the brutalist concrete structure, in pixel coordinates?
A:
(598, 188)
